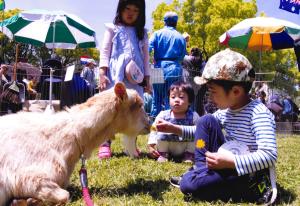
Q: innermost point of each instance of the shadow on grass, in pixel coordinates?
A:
(122, 154)
(283, 197)
(176, 159)
(141, 186)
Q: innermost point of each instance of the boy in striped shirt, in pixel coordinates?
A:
(216, 175)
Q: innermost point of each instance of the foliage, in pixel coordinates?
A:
(124, 181)
(71, 56)
(206, 20)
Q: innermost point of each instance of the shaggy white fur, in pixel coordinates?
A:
(39, 151)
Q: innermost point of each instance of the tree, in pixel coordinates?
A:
(207, 20)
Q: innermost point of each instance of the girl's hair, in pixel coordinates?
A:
(184, 86)
(141, 20)
(227, 85)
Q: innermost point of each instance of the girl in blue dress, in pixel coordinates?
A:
(124, 40)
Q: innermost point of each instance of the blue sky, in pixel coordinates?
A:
(98, 12)
(93, 12)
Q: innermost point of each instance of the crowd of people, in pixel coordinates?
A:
(283, 107)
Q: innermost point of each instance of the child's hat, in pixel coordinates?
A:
(226, 65)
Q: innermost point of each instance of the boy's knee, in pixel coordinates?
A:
(186, 186)
(208, 119)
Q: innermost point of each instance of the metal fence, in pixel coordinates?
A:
(64, 93)
(68, 93)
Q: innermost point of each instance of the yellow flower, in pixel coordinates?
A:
(200, 144)
(153, 128)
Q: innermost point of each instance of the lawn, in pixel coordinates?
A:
(124, 181)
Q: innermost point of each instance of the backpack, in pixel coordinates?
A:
(295, 108)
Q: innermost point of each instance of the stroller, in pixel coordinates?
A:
(13, 92)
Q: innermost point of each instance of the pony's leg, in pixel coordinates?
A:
(28, 202)
(49, 191)
(40, 188)
(16, 202)
(129, 144)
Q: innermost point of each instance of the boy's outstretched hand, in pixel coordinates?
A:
(217, 160)
(167, 127)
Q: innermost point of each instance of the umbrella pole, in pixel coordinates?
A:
(50, 86)
(260, 61)
(49, 108)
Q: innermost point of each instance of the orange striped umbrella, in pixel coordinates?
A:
(262, 34)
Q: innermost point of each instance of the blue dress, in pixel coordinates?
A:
(125, 46)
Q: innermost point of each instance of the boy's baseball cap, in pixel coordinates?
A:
(226, 65)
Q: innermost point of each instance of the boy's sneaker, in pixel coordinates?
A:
(260, 185)
(163, 157)
(175, 181)
(188, 157)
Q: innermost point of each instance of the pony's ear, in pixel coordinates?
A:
(120, 90)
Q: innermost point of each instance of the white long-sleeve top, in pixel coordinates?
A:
(107, 47)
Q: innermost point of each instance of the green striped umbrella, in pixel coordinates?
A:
(54, 29)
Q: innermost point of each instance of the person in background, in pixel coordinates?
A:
(3, 75)
(210, 107)
(295, 110)
(287, 112)
(262, 97)
(124, 41)
(4, 78)
(169, 48)
(162, 145)
(192, 66)
(187, 38)
(275, 106)
(225, 175)
(88, 74)
(31, 88)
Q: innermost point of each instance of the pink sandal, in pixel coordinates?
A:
(104, 152)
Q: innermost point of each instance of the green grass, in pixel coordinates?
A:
(124, 181)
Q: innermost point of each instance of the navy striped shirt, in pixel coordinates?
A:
(253, 125)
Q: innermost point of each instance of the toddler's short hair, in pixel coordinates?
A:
(184, 86)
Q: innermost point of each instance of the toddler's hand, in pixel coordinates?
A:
(153, 153)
